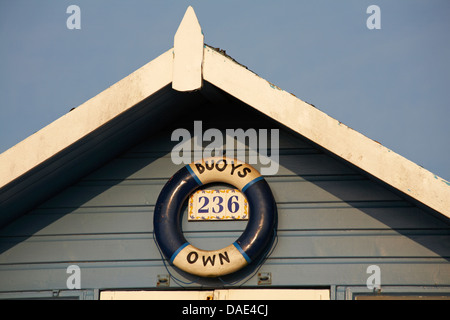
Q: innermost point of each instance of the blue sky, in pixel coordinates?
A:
(392, 84)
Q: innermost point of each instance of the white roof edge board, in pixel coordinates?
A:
(86, 118)
(327, 132)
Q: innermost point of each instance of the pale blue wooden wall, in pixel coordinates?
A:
(333, 223)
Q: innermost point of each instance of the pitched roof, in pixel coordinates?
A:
(103, 126)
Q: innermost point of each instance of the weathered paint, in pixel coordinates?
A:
(94, 113)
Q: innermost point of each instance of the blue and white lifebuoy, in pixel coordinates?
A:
(253, 242)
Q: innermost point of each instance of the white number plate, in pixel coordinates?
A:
(206, 205)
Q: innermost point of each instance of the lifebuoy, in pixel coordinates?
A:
(252, 243)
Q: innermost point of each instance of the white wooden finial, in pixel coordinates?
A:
(188, 54)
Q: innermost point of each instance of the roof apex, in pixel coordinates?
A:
(188, 54)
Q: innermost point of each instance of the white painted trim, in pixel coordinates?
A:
(327, 132)
(84, 119)
(188, 54)
(156, 295)
(272, 294)
(219, 294)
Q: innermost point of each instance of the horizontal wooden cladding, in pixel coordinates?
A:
(290, 189)
(307, 272)
(290, 245)
(333, 223)
(163, 168)
(292, 216)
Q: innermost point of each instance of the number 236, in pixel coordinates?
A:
(217, 205)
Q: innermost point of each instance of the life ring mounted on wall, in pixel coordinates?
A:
(252, 243)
